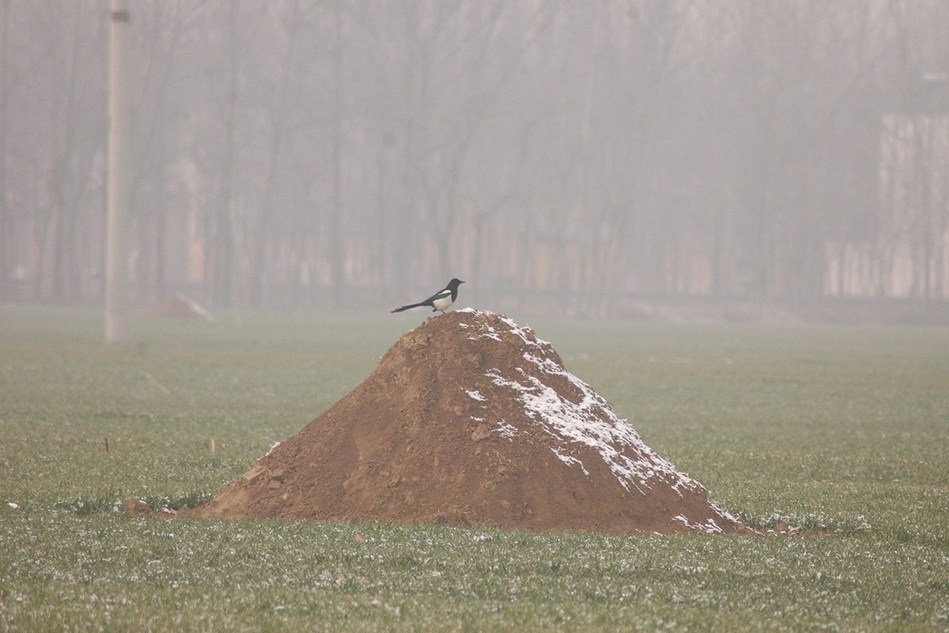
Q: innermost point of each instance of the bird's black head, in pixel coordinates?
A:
(454, 283)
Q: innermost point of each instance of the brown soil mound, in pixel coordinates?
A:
(180, 307)
(472, 420)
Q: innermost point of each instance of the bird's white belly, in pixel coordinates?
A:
(442, 302)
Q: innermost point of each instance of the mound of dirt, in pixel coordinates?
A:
(472, 420)
(181, 307)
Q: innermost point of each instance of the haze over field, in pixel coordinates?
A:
(590, 156)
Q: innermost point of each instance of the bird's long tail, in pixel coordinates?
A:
(409, 307)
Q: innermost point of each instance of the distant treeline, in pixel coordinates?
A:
(287, 151)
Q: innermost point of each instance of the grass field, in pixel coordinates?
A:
(843, 431)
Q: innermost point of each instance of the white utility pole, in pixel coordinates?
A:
(119, 193)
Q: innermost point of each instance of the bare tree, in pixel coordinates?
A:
(637, 149)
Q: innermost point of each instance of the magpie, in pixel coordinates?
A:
(440, 300)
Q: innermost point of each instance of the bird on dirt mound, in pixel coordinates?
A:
(438, 301)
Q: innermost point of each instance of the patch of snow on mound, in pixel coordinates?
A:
(709, 527)
(476, 395)
(590, 422)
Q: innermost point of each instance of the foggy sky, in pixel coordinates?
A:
(569, 153)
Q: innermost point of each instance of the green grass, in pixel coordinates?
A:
(844, 431)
